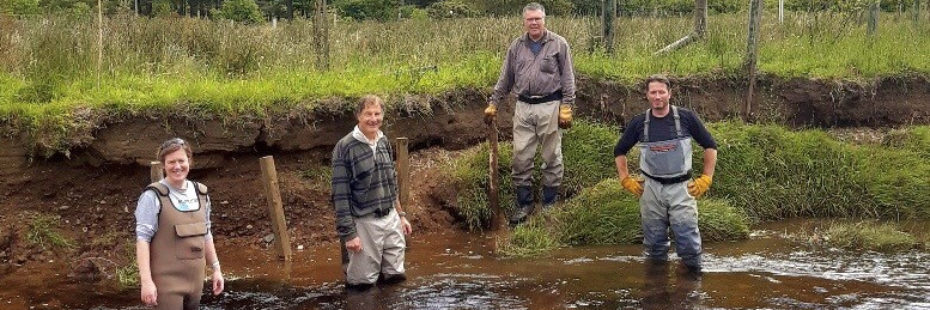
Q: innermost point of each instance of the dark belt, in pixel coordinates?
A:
(556, 95)
(672, 180)
(379, 213)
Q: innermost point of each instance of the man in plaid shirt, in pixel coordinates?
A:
(364, 198)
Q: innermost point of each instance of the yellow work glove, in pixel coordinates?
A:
(699, 186)
(565, 116)
(633, 186)
(489, 113)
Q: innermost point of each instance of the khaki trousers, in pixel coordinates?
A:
(383, 247)
(533, 125)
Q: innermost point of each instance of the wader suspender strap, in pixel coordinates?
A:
(162, 191)
(677, 117)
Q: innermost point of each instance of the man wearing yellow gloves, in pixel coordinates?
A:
(667, 193)
(538, 68)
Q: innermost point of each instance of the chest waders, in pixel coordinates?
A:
(666, 161)
(177, 251)
(666, 202)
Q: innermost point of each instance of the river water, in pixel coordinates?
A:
(456, 271)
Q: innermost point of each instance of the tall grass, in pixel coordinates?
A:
(763, 173)
(228, 70)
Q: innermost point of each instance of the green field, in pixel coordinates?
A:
(218, 68)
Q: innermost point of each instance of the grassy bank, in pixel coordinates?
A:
(587, 151)
(764, 173)
(228, 70)
(606, 214)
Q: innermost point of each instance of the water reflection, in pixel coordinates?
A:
(455, 272)
(661, 293)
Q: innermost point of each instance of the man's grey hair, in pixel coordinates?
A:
(534, 6)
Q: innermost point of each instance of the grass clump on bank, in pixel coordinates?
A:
(868, 235)
(772, 173)
(764, 173)
(587, 155)
(607, 214)
(43, 232)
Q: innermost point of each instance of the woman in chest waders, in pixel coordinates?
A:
(173, 239)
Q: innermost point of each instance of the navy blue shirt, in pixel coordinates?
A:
(535, 46)
(663, 128)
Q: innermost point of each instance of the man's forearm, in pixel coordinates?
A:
(710, 162)
(622, 169)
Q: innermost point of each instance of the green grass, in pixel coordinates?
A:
(127, 276)
(606, 214)
(587, 151)
(48, 76)
(43, 232)
(764, 173)
(773, 173)
(868, 235)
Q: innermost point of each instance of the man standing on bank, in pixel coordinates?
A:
(666, 196)
(538, 68)
(365, 198)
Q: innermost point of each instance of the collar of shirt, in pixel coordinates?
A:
(358, 135)
(545, 37)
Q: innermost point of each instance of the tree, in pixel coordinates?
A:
(244, 11)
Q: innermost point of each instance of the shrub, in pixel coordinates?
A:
(243, 11)
(450, 9)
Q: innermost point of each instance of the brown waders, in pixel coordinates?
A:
(177, 251)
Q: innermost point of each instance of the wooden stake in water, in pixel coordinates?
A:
(156, 173)
(498, 222)
(282, 243)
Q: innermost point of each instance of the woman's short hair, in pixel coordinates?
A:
(171, 146)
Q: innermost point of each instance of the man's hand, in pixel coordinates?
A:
(699, 186)
(633, 186)
(565, 116)
(406, 225)
(149, 293)
(218, 282)
(490, 113)
(354, 245)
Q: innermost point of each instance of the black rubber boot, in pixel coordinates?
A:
(550, 196)
(524, 205)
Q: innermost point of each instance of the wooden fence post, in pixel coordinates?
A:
(752, 50)
(781, 11)
(156, 173)
(403, 172)
(275, 209)
(610, 10)
(873, 16)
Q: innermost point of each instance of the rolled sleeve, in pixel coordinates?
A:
(147, 216)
